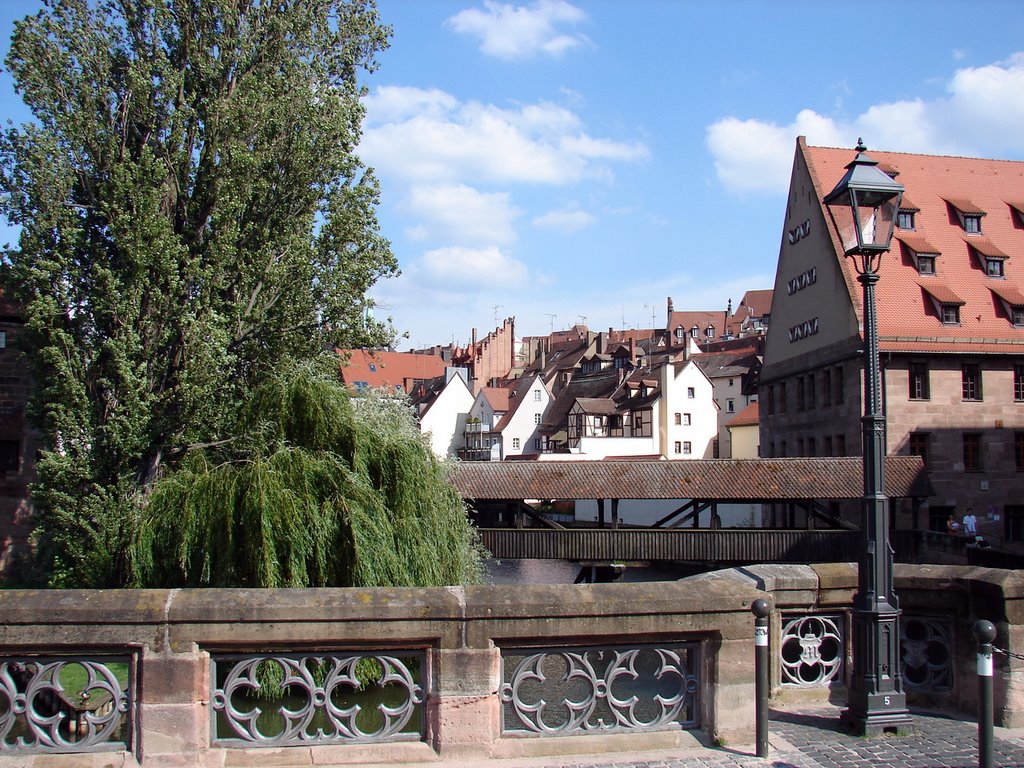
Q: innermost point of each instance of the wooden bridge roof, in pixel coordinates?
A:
(713, 480)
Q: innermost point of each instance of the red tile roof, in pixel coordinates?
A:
(917, 243)
(1010, 294)
(497, 398)
(388, 369)
(977, 185)
(735, 479)
(965, 206)
(984, 246)
(748, 417)
(941, 292)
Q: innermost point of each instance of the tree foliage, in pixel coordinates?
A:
(318, 489)
(192, 213)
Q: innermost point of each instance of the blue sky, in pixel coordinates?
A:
(581, 162)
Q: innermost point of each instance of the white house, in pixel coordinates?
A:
(444, 416)
(519, 428)
(482, 442)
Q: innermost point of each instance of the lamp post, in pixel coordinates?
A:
(863, 208)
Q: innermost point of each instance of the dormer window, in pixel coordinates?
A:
(921, 251)
(968, 213)
(905, 220)
(680, 333)
(1018, 212)
(1012, 301)
(694, 332)
(710, 332)
(947, 303)
(989, 257)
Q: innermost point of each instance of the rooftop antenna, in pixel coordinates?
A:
(583, 319)
(552, 316)
(654, 310)
(496, 307)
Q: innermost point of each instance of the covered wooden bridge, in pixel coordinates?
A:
(804, 499)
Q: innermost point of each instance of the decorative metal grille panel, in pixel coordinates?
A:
(66, 704)
(925, 651)
(812, 651)
(271, 700)
(557, 691)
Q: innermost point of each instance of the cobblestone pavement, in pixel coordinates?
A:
(812, 738)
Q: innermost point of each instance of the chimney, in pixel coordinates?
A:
(632, 352)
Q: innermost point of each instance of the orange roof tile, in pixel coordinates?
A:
(984, 246)
(1011, 294)
(379, 368)
(941, 293)
(497, 398)
(965, 206)
(916, 243)
(975, 184)
(748, 417)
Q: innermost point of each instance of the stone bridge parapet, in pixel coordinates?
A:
(171, 641)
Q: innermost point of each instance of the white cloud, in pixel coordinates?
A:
(395, 102)
(984, 109)
(565, 219)
(472, 266)
(462, 214)
(755, 156)
(428, 136)
(516, 32)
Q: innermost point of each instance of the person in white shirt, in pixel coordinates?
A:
(970, 523)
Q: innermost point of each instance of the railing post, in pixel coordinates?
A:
(985, 632)
(761, 609)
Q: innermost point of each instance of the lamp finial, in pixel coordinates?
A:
(860, 145)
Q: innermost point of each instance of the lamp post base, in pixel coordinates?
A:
(876, 718)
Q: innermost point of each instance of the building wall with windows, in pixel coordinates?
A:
(520, 427)
(19, 443)
(950, 306)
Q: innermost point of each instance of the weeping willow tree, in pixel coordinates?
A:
(319, 488)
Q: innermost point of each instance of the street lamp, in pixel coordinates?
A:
(863, 208)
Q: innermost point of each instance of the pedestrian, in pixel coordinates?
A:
(970, 523)
(952, 526)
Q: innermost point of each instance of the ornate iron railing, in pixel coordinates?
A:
(271, 700)
(811, 651)
(925, 651)
(66, 703)
(556, 691)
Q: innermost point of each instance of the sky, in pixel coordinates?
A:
(581, 162)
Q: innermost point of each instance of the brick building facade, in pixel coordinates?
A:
(950, 302)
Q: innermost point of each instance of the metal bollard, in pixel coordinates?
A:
(761, 609)
(985, 632)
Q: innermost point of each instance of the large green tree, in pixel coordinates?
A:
(192, 213)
